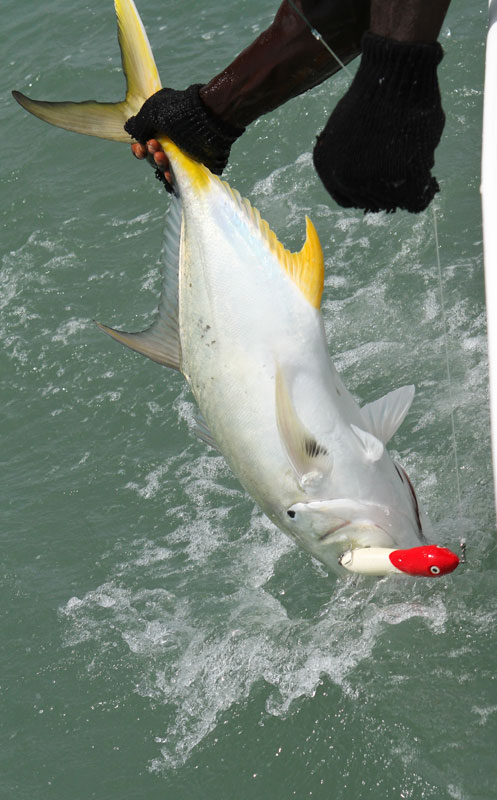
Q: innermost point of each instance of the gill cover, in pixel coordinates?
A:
(347, 520)
(106, 120)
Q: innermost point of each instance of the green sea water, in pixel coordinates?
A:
(160, 638)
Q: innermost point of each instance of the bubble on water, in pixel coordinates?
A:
(152, 483)
(69, 328)
(484, 713)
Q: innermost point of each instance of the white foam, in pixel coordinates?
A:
(69, 328)
(213, 631)
(152, 483)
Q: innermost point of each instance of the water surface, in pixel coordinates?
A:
(161, 637)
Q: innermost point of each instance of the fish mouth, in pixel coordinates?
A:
(357, 533)
(325, 536)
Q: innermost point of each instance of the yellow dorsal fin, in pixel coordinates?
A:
(305, 268)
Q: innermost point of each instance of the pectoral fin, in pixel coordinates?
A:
(310, 460)
(106, 120)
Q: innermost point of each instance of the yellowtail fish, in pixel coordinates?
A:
(240, 318)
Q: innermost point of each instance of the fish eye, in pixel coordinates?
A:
(291, 514)
(435, 570)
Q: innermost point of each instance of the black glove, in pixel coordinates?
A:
(377, 148)
(183, 117)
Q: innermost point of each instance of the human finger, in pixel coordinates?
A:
(138, 150)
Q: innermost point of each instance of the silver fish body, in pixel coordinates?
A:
(253, 349)
(240, 317)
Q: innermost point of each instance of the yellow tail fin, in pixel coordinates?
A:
(106, 120)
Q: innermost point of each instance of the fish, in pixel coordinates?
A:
(240, 317)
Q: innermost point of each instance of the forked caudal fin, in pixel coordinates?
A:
(106, 120)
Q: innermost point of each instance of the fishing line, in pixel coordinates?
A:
(449, 378)
(318, 36)
(462, 541)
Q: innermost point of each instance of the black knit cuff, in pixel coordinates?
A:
(410, 68)
(183, 117)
